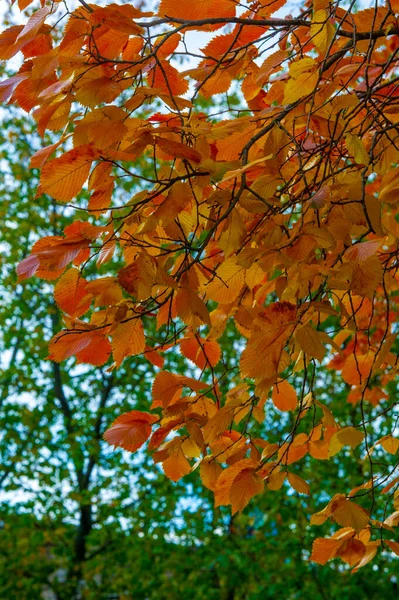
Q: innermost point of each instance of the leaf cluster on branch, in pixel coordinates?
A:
(278, 218)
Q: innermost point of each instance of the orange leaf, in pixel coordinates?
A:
(105, 290)
(227, 284)
(176, 465)
(357, 368)
(176, 149)
(284, 396)
(167, 387)
(168, 79)
(349, 514)
(130, 430)
(63, 177)
(138, 278)
(226, 478)
(352, 551)
(389, 443)
(299, 484)
(201, 352)
(128, 340)
(209, 472)
(191, 309)
(197, 9)
(324, 549)
(34, 24)
(221, 421)
(246, 485)
(71, 293)
(394, 546)
(370, 552)
(90, 347)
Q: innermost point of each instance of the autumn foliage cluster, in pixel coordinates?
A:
(277, 217)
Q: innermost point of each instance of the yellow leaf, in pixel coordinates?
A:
(367, 276)
(276, 480)
(321, 31)
(233, 233)
(350, 514)
(348, 436)
(389, 443)
(392, 520)
(310, 342)
(321, 517)
(301, 66)
(356, 149)
(299, 484)
(304, 85)
(227, 283)
(190, 448)
(218, 423)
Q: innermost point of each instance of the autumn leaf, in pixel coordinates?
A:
(198, 9)
(218, 423)
(249, 485)
(63, 177)
(321, 30)
(356, 149)
(284, 396)
(394, 546)
(389, 443)
(89, 346)
(350, 514)
(71, 294)
(210, 471)
(352, 551)
(130, 430)
(299, 484)
(324, 549)
(227, 283)
(348, 436)
(246, 485)
(201, 352)
(128, 339)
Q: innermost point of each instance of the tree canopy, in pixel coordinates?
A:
(260, 239)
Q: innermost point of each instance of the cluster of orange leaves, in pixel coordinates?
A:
(281, 218)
